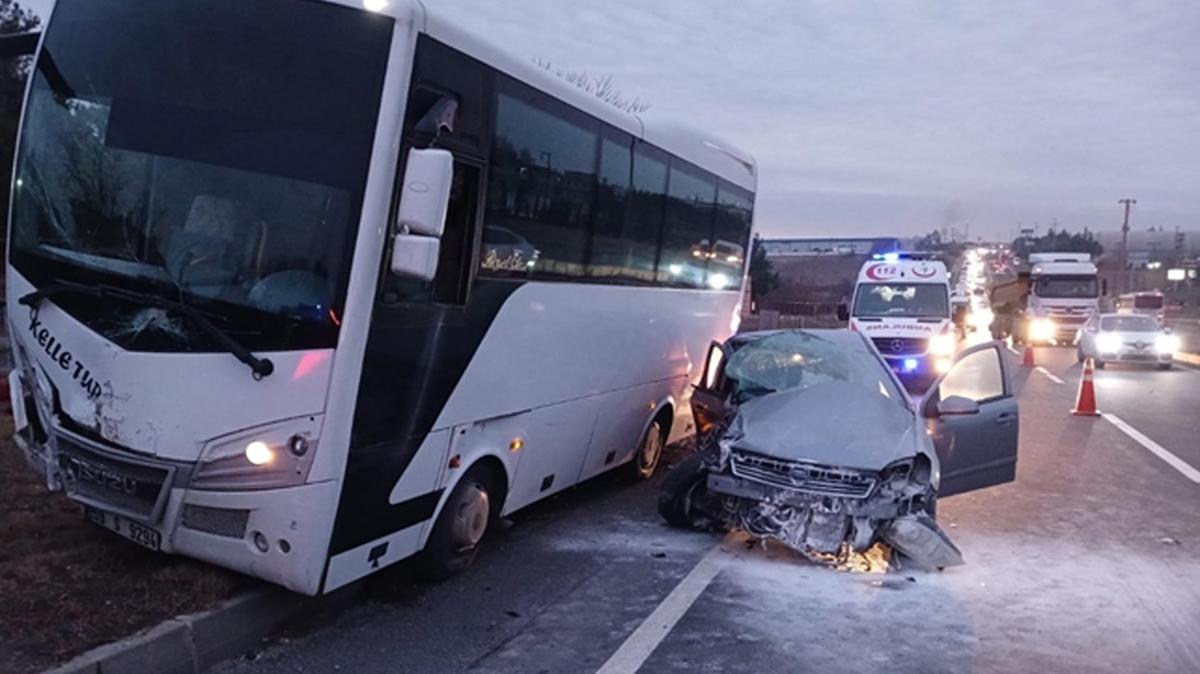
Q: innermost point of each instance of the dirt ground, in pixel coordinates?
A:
(67, 586)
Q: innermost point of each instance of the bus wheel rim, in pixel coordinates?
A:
(471, 517)
(651, 449)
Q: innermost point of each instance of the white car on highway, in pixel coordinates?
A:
(1126, 338)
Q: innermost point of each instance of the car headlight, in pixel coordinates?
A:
(1041, 330)
(267, 457)
(1108, 343)
(1167, 344)
(942, 345)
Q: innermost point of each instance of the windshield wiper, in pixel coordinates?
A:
(261, 367)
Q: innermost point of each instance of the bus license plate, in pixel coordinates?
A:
(138, 533)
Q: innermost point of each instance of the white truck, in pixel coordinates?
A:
(1063, 294)
(902, 303)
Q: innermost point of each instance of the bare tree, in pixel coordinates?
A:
(600, 87)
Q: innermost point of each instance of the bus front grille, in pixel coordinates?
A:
(225, 522)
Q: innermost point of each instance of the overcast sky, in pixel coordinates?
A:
(897, 117)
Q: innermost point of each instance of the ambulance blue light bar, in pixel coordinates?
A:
(896, 256)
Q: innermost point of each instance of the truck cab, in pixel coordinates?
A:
(902, 303)
(1063, 294)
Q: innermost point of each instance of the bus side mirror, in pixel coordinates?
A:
(425, 194)
(421, 216)
(843, 312)
(415, 257)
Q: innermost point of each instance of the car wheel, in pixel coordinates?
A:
(458, 533)
(1099, 364)
(1164, 366)
(684, 494)
(645, 460)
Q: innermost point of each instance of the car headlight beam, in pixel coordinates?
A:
(1108, 343)
(1167, 344)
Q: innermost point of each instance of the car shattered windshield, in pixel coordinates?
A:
(900, 300)
(216, 152)
(798, 360)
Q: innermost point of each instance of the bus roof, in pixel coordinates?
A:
(699, 147)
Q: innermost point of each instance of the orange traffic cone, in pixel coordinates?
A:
(1027, 359)
(1085, 404)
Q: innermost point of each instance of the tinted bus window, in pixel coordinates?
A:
(731, 236)
(647, 208)
(614, 253)
(540, 192)
(691, 196)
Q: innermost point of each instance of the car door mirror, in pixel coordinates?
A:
(425, 192)
(843, 312)
(956, 406)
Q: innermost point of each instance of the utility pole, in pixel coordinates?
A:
(1125, 275)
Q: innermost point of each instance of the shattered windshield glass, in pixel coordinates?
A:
(214, 153)
(800, 360)
(900, 300)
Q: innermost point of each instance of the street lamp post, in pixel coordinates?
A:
(1125, 273)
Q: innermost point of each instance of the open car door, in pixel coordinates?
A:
(973, 421)
(710, 397)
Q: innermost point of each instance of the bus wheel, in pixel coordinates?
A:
(645, 460)
(461, 526)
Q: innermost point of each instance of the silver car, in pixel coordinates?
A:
(1126, 338)
(808, 437)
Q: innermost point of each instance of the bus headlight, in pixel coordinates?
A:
(1108, 343)
(1167, 344)
(1041, 330)
(267, 457)
(942, 345)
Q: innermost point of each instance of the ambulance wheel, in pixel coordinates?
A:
(460, 528)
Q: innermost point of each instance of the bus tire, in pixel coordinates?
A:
(649, 452)
(461, 526)
(681, 499)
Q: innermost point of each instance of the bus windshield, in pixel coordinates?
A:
(211, 152)
(1066, 287)
(901, 300)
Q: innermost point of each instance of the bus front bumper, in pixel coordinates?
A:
(279, 535)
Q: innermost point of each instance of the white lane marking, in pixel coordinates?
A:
(1050, 375)
(637, 648)
(1014, 351)
(1155, 448)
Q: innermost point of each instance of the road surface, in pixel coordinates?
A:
(1088, 562)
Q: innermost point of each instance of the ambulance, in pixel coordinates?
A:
(902, 303)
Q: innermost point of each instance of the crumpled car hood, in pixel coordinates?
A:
(834, 424)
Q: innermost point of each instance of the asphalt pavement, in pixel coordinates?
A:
(1088, 562)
